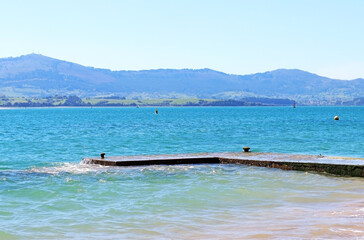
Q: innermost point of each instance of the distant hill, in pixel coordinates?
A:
(38, 75)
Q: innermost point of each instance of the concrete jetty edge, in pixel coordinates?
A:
(343, 166)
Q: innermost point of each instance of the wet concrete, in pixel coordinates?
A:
(344, 166)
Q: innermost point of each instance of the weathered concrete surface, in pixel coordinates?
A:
(344, 166)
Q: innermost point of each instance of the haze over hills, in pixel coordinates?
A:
(38, 75)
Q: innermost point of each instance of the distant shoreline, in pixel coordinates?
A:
(75, 101)
(114, 101)
(156, 106)
(61, 107)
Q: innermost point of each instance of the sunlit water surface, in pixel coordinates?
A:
(45, 193)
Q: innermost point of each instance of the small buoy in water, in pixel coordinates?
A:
(156, 111)
(246, 149)
(336, 118)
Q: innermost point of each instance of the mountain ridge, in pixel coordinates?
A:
(39, 75)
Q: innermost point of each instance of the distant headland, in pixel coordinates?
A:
(37, 80)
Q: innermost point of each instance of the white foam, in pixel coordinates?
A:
(73, 168)
(84, 168)
(167, 168)
(338, 230)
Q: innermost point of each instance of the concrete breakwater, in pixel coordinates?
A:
(343, 166)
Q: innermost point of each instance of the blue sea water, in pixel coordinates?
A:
(45, 193)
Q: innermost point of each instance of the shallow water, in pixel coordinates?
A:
(45, 192)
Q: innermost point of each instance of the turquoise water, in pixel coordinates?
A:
(45, 193)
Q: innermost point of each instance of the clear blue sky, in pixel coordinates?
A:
(321, 36)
